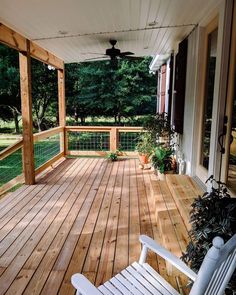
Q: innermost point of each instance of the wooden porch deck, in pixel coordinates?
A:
(84, 216)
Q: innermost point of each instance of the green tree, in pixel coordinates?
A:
(99, 88)
(10, 101)
(44, 95)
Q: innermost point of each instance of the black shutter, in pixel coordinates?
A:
(170, 86)
(179, 86)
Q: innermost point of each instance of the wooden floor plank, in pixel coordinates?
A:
(94, 253)
(51, 228)
(88, 194)
(145, 220)
(122, 243)
(33, 234)
(79, 239)
(105, 267)
(20, 233)
(148, 177)
(134, 217)
(86, 216)
(18, 203)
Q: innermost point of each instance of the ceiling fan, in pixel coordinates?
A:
(113, 53)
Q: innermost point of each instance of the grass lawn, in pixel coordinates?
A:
(44, 150)
(11, 166)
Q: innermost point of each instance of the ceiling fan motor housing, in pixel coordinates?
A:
(113, 52)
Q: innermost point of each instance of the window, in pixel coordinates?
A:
(208, 97)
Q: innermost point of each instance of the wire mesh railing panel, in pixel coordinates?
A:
(11, 167)
(88, 141)
(128, 141)
(46, 149)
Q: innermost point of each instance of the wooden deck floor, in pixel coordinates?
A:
(85, 216)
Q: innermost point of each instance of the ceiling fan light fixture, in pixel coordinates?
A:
(63, 33)
(153, 24)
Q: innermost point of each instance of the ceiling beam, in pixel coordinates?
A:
(15, 40)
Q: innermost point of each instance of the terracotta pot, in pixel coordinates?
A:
(144, 159)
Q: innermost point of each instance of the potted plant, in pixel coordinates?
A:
(213, 214)
(145, 147)
(112, 156)
(160, 128)
(162, 161)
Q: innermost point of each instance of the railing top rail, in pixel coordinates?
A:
(102, 128)
(11, 149)
(47, 133)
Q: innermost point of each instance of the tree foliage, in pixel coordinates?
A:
(44, 95)
(98, 88)
(93, 89)
(10, 102)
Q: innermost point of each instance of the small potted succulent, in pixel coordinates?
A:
(112, 156)
(145, 147)
(162, 161)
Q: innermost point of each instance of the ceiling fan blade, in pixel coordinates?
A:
(86, 53)
(126, 53)
(97, 58)
(132, 57)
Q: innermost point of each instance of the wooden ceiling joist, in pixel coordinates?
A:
(18, 42)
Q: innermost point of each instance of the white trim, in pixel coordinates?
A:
(167, 95)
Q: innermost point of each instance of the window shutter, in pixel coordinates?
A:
(179, 86)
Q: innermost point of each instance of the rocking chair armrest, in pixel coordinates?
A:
(83, 285)
(168, 256)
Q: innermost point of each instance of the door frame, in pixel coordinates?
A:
(201, 171)
(230, 96)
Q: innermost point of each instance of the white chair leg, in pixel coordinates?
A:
(143, 254)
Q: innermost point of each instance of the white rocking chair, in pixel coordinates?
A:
(140, 278)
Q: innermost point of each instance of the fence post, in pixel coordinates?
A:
(27, 121)
(66, 144)
(114, 139)
(62, 106)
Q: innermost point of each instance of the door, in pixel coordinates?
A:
(207, 99)
(229, 158)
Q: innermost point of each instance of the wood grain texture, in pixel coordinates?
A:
(19, 42)
(84, 216)
(27, 119)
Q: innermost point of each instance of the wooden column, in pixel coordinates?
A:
(27, 121)
(114, 139)
(62, 106)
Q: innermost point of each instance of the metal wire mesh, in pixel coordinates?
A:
(46, 149)
(11, 167)
(128, 141)
(88, 141)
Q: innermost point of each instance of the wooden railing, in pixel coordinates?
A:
(56, 154)
(13, 166)
(53, 144)
(100, 140)
(13, 172)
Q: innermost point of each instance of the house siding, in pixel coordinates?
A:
(189, 129)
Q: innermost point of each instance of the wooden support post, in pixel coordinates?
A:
(114, 139)
(27, 121)
(62, 107)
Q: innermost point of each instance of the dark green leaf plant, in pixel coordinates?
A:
(213, 214)
(162, 159)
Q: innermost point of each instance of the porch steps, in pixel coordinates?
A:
(173, 232)
(172, 201)
(184, 190)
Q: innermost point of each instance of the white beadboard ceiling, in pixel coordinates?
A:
(75, 29)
